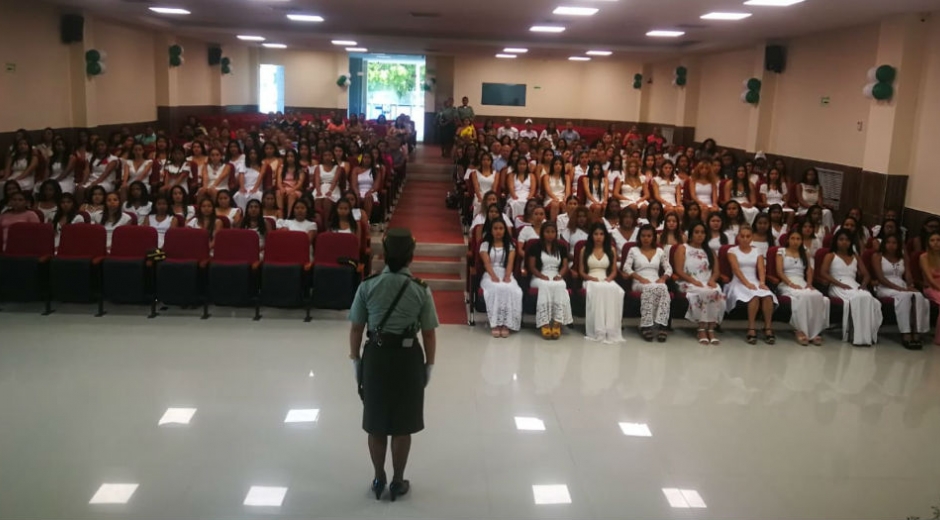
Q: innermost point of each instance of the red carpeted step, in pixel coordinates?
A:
(451, 309)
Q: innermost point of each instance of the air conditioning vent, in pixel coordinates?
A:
(417, 14)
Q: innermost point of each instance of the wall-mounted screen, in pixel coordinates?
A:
(504, 94)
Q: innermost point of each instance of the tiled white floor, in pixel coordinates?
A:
(266, 413)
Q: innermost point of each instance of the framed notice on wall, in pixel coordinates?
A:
(831, 183)
(504, 94)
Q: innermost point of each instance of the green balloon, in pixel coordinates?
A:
(637, 85)
(176, 50)
(93, 68)
(885, 74)
(882, 91)
(92, 55)
(754, 84)
(752, 97)
(681, 71)
(637, 77)
(226, 69)
(175, 61)
(680, 81)
(226, 61)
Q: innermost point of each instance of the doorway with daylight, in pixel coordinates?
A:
(271, 89)
(394, 85)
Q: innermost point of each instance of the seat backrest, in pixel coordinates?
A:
(30, 239)
(133, 241)
(272, 224)
(625, 251)
(770, 261)
(186, 244)
(818, 261)
(724, 265)
(83, 241)
(236, 246)
(287, 247)
(916, 272)
(330, 247)
(784, 240)
(827, 240)
(39, 214)
(578, 251)
(224, 221)
(133, 217)
(866, 261)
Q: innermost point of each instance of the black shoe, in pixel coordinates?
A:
(378, 487)
(397, 489)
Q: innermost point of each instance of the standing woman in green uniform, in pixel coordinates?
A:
(392, 369)
(448, 122)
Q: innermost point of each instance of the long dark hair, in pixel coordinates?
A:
(722, 237)
(847, 234)
(662, 217)
(144, 195)
(70, 216)
(596, 184)
(506, 241)
(296, 166)
(588, 249)
(262, 226)
(735, 181)
(740, 220)
(540, 246)
(334, 216)
(185, 200)
(924, 234)
(709, 254)
(62, 158)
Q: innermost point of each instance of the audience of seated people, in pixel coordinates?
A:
(287, 173)
(673, 216)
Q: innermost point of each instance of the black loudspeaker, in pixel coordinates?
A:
(72, 28)
(215, 56)
(775, 58)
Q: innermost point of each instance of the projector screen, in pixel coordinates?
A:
(504, 94)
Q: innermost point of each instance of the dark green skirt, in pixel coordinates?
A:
(393, 381)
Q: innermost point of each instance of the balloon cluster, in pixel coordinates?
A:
(752, 93)
(176, 55)
(94, 62)
(881, 83)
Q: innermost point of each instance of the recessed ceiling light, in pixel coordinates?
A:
(773, 3)
(684, 498)
(356, 49)
(660, 33)
(635, 429)
(516, 50)
(346, 43)
(547, 28)
(113, 494)
(305, 17)
(508, 56)
(725, 16)
(598, 53)
(274, 45)
(579, 58)
(169, 10)
(250, 38)
(265, 496)
(551, 494)
(177, 416)
(575, 11)
(530, 424)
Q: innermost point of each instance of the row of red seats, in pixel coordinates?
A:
(83, 271)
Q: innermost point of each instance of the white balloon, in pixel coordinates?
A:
(745, 82)
(104, 67)
(674, 83)
(103, 54)
(868, 91)
(182, 60)
(744, 96)
(871, 74)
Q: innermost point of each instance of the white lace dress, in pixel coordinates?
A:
(604, 312)
(486, 183)
(706, 304)
(654, 297)
(861, 317)
(904, 301)
(809, 308)
(503, 300)
(736, 292)
(554, 303)
(557, 187)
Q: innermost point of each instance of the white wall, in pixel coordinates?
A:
(662, 94)
(310, 77)
(126, 93)
(194, 77)
(923, 187)
(236, 87)
(722, 115)
(600, 89)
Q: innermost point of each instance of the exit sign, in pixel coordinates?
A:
(824, 100)
(11, 67)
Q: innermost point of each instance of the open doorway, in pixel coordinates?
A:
(271, 89)
(395, 86)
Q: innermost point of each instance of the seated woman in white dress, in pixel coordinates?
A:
(556, 188)
(762, 237)
(113, 217)
(740, 190)
(521, 185)
(714, 232)
(698, 271)
(595, 190)
(627, 229)
(481, 223)
(774, 191)
(502, 294)
(326, 179)
(809, 307)
(748, 285)
(532, 231)
(547, 262)
(631, 191)
(648, 266)
(667, 189)
(812, 243)
(841, 268)
(483, 180)
(598, 268)
(778, 226)
(895, 281)
(300, 220)
(734, 220)
(809, 193)
(704, 188)
(577, 230)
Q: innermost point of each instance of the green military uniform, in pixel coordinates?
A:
(392, 374)
(447, 120)
(465, 112)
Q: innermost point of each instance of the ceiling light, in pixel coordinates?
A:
(265, 496)
(356, 49)
(177, 416)
(347, 43)
(773, 3)
(725, 16)
(598, 53)
(249, 38)
(575, 11)
(113, 494)
(508, 56)
(547, 28)
(551, 494)
(516, 50)
(169, 10)
(684, 498)
(302, 415)
(305, 17)
(274, 45)
(659, 33)
(635, 429)
(530, 424)
(579, 58)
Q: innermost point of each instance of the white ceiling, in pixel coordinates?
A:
(486, 26)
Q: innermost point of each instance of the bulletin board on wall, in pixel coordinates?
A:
(503, 94)
(831, 183)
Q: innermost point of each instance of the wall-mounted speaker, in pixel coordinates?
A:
(215, 56)
(72, 28)
(775, 58)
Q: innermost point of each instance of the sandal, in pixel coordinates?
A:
(556, 331)
(817, 341)
(661, 336)
(546, 332)
(751, 336)
(802, 339)
(712, 338)
(769, 337)
(702, 337)
(647, 333)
